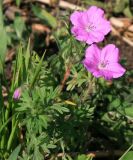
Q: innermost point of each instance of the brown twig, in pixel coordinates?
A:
(66, 75)
(115, 32)
(62, 4)
(36, 27)
(123, 28)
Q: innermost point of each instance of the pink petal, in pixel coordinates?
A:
(84, 19)
(107, 74)
(97, 36)
(97, 74)
(89, 40)
(110, 53)
(93, 53)
(90, 65)
(17, 94)
(79, 33)
(75, 18)
(92, 57)
(104, 26)
(94, 13)
(115, 69)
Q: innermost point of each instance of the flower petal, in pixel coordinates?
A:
(92, 57)
(91, 26)
(89, 39)
(108, 75)
(97, 74)
(93, 53)
(75, 17)
(90, 65)
(97, 36)
(104, 26)
(79, 33)
(115, 69)
(110, 53)
(94, 13)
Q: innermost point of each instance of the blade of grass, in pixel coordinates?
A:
(27, 56)
(15, 153)
(126, 152)
(3, 43)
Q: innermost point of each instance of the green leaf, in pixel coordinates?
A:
(3, 35)
(128, 12)
(18, 2)
(14, 154)
(44, 15)
(27, 56)
(37, 71)
(51, 146)
(115, 103)
(59, 108)
(81, 157)
(96, 3)
(128, 156)
(45, 120)
(129, 111)
(37, 154)
(19, 26)
(3, 44)
(119, 6)
(84, 157)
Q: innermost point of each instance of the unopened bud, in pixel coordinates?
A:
(17, 94)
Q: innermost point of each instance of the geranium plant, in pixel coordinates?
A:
(69, 104)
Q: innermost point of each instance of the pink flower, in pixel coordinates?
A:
(17, 94)
(90, 26)
(103, 62)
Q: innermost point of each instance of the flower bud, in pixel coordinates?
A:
(17, 94)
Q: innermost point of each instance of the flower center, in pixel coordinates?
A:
(102, 65)
(90, 27)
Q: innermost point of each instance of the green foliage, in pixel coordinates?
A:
(62, 110)
(51, 110)
(14, 154)
(128, 156)
(116, 6)
(45, 16)
(19, 26)
(3, 44)
(18, 2)
(123, 7)
(84, 157)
